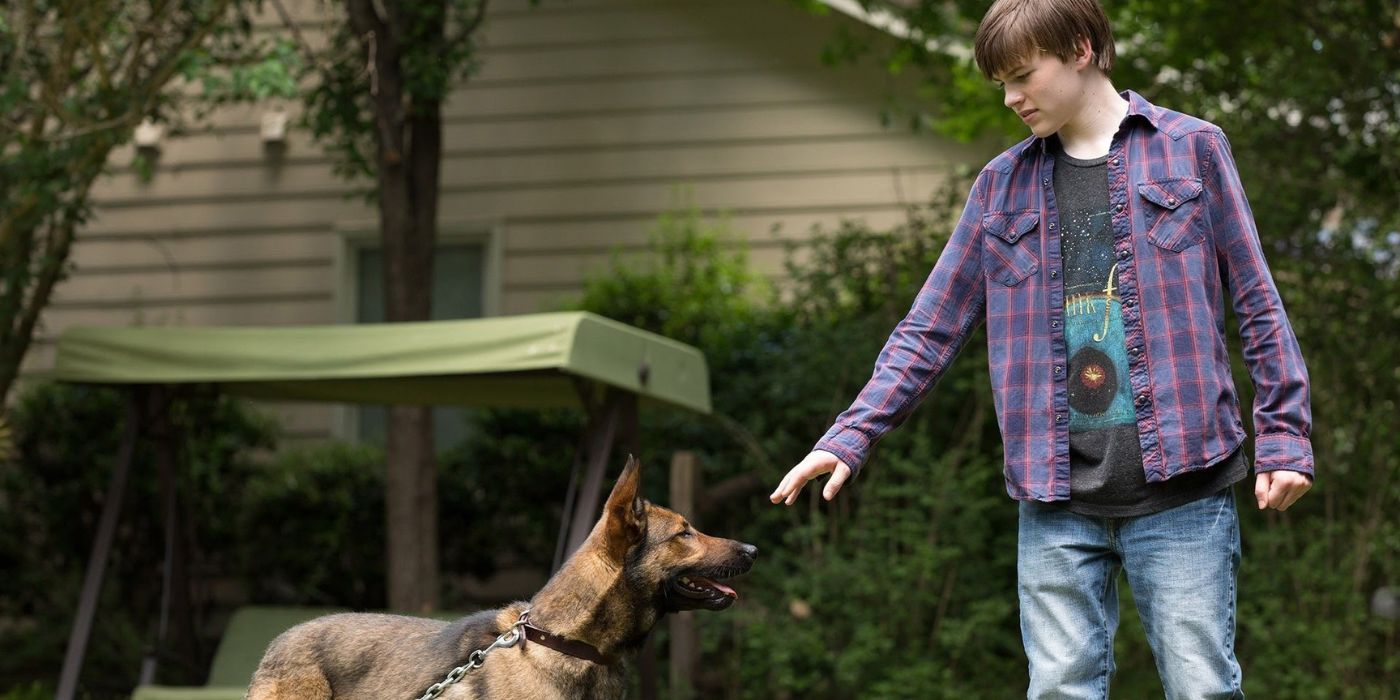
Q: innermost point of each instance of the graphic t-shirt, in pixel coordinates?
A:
(1106, 475)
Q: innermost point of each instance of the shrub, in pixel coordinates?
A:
(51, 497)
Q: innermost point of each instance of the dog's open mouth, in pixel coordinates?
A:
(703, 589)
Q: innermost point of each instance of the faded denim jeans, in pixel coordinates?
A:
(1182, 565)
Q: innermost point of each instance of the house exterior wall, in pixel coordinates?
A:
(588, 119)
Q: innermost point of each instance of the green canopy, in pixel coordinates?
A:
(525, 361)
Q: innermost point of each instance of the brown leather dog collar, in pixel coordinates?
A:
(569, 647)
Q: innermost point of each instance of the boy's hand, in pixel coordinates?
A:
(813, 465)
(1279, 489)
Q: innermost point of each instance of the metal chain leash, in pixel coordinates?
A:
(509, 638)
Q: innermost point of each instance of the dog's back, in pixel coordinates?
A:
(365, 655)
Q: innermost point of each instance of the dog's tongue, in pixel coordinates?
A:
(722, 588)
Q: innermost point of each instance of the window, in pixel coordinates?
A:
(465, 265)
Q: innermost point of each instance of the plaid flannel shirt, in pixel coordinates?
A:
(1182, 228)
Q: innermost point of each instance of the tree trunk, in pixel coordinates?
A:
(409, 148)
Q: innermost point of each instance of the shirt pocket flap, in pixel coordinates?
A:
(1170, 193)
(1010, 225)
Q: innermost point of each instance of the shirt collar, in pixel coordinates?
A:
(1138, 106)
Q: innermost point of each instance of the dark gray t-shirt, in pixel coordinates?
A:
(1106, 475)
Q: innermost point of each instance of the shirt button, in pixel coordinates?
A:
(1128, 302)
(1142, 399)
(1122, 253)
(1059, 369)
(1114, 162)
(1136, 350)
(1059, 417)
(1052, 226)
(1054, 324)
(1054, 274)
(1045, 182)
(1118, 207)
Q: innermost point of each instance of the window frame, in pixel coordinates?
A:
(353, 237)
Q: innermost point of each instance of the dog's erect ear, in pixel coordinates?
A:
(624, 515)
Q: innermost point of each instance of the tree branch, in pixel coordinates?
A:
(317, 61)
(471, 26)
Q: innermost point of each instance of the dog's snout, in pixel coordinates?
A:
(748, 551)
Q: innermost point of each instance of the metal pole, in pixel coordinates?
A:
(570, 500)
(101, 549)
(600, 450)
(685, 640)
(160, 428)
(593, 417)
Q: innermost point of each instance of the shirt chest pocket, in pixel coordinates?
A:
(1009, 254)
(1174, 213)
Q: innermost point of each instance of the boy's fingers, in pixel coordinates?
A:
(792, 497)
(799, 478)
(811, 466)
(1296, 493)
(1277, 493)
(1291, 487)
(782, 491)
(778, 492)
(787, 486)
(1292, 497)
(1279, 490)
(800, 475)
(838, 478)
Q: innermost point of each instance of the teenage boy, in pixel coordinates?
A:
(1095, 251)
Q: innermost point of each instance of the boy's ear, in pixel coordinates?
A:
(624, 515)
(1083, 52)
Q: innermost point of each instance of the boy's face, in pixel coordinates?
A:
(1045, 91)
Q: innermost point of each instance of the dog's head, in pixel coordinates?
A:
(661, 552)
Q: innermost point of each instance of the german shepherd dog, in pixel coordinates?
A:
(640, 562)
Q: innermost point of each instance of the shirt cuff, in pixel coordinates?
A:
(1277, 451)
(848, 444)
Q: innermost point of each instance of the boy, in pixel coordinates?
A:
(1095, 252)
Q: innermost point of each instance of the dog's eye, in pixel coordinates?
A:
(685, 534)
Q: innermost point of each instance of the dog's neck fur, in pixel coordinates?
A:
(586, 595)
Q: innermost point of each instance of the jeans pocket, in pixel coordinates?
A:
(1173, 212)
(1009, 255)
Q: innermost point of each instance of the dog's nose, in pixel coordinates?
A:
(749, 551)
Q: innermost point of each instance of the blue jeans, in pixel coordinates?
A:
(1181, 564)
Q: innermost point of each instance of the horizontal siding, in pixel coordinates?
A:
(202, 285)
(659, 22)
(549, 238)
(729, 126)
(501, 169)
(579, 201)
(523, 100)
(588, 120)
(214, 248)
(569, 271)
(271, 310)
(184, 252)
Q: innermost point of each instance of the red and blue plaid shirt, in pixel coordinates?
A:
(1181, 227)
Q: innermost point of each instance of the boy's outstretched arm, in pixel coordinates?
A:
(947, 308)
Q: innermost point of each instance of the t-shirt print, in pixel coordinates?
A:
(1099, 393)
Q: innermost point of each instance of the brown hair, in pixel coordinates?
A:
(1014, 31)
